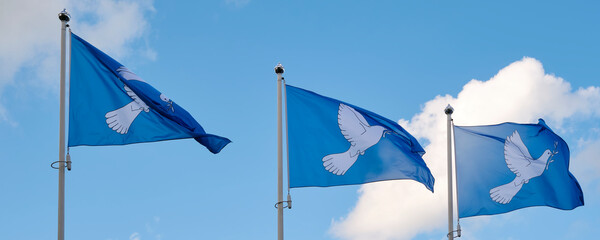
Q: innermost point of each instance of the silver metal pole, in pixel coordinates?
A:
(279, 71)
(449, 110)
(64, 17)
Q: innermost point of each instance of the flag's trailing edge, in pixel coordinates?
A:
(110, 105)
(509, 166)
(334, 143)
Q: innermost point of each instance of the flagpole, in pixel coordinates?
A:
(279, 71)
(449, 110)
(64, 18)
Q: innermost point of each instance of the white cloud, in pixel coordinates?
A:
(30, 45)
(115, 26)
(521, 92)
(135, 236)
(587, 167)
(3, 116)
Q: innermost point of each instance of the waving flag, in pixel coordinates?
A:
(110, 105)
(335, 143)
(501, 168)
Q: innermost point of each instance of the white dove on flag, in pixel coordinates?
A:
(121, 119)
(359, 133)
(519, 161)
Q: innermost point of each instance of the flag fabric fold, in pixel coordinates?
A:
(110, 105)
(509, 166)
(334, 143)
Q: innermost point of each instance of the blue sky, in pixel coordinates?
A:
(494, 62)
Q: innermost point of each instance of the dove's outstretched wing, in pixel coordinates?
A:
(358, 132)
(120, 120)
(351, 123)
(516, 155)
(136, 99)
(518, 160)
(129, 75)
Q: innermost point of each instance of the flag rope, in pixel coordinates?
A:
(458, 230)
(287, 144)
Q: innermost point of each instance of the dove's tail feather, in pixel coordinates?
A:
(503, 194)
(339, 163)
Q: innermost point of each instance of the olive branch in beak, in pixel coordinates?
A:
(554, 152)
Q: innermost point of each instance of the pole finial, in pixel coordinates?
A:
(279, 68)
(64, 15)
(449, 110)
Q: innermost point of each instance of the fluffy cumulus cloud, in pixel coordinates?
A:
(402, 209)
(30, 45)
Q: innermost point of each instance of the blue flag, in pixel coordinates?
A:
(334, 143)
(501, 168)
(110, 105)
